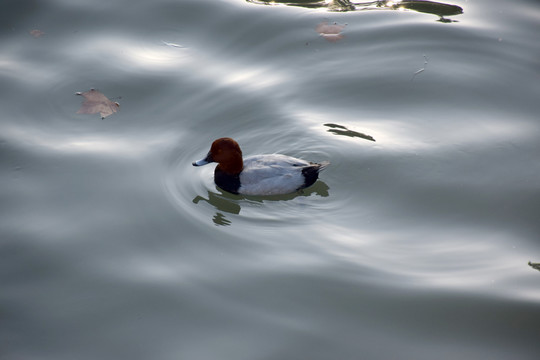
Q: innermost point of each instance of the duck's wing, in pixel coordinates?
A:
(260, 167)
(274, 161)
(272, 174)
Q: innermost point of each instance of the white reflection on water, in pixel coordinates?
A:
(24, 71)
(402, 134)
(463, 260)
(8, 65)
(130, 52)
(255, 77)
(156, 57)
(161, 56)
(130, 147)
(220, 72)
(142, 268)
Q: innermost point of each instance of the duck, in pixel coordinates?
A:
(269, 174)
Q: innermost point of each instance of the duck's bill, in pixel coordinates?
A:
(200, 162)
(206, 160)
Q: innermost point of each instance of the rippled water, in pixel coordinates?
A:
(412, 246)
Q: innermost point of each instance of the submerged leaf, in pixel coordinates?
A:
(330, 32)
(36, 33)
(95, 102)
(342, 130)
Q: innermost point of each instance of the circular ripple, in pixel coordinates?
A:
(194, 194)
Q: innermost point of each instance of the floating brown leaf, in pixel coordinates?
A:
(36, 33)
(330, 32)
(95, 102)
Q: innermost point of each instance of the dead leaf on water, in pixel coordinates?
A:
(95, 102)
(330, 32)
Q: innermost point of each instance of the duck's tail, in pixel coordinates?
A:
(311, 172)
(322, 165)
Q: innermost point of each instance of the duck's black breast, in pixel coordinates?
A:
(227, 182)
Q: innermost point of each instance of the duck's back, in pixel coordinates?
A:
(276, 174)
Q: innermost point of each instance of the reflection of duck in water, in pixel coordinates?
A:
(272, 174)
(424, 6)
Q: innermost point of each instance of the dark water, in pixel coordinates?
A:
(412, 246)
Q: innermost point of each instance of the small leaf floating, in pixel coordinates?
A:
(95, 102)
(331, 33)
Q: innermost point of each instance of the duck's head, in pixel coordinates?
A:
(226, 152)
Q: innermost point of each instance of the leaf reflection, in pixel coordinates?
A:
(535, 265)
(423, 6)
(342, 130)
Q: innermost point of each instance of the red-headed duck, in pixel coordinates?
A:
(272, 174)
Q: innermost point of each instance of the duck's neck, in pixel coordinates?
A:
(233, 166)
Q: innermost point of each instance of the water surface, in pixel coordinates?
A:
(412, 246)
